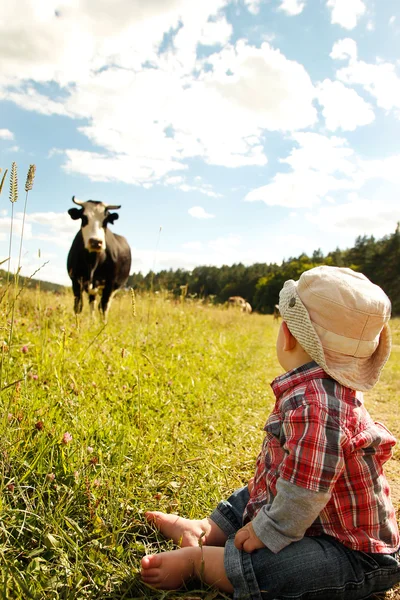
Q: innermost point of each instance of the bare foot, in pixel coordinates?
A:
(187, 532)
(170, 570)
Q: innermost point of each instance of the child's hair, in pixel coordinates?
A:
(340, 318)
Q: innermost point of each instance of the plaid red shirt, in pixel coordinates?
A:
(321, 437)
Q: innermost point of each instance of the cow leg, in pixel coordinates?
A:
(105, 301)
(92, 302)
(77, 290)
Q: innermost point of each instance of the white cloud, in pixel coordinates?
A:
(346, 12)
(380, 80)
(198, 212)
(216, 32)
(387, 169)
(101, 167)
(327, 155)
(192, 246)
(292, 7)
(343, 49)
(174, 180)
(30, 99)
(225, 245)
(216, 117)
(45, 267)
(343, 108)
(267, 88)
(13, 149)
(203, 189)
(5, 228)
(60, 223)
(320, 165)
(6, 134)
(224, 250)
(322, 169)
(215, 109)
(125, 33)
(358, 216)
(253, 6)
(392, 20)
(297, 189)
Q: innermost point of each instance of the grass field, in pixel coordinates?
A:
(162, 408)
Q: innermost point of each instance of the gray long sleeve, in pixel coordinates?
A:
(292, 512)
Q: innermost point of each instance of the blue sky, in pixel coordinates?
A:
(228, 130)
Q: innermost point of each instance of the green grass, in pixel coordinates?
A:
(165, 409)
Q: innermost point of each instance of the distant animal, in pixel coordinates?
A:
(277, 313)
(236, 301)
(99, 261)
(240, 303)
(247, 308)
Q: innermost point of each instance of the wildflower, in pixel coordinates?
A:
(66, 438)
(35, 377)
(10, 417)
(94, 460)
(25, 349)
(90, 449)
(96, 483)
(10, 487)
(50, 476)
(39, 425)
(76, 474)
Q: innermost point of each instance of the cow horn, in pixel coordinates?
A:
(76, 201)
(112, 206)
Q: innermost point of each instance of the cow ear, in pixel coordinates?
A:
(112, 217)
(75, 213)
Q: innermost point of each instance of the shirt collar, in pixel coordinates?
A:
(300, 375)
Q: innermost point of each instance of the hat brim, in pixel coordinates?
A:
(355, 373)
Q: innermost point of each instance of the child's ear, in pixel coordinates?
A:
(289, 341)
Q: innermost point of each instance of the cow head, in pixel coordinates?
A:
(95, 216)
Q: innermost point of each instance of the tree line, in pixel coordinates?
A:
(260, 283)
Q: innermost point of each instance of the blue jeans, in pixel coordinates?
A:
(315, 568)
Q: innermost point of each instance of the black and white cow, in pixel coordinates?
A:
(99, 261)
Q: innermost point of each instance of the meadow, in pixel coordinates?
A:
(161, 408)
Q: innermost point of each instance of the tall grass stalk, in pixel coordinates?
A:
(152, 272)
(13, 199)
(28, 187)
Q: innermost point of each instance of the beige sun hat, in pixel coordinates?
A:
(340, 318)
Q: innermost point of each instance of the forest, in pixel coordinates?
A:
(260, 283)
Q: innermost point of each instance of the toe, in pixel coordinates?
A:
(150, 575)
(150, 515)
(152, 561)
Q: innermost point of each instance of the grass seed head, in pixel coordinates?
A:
(133, 301)
(13, 183)
(3, 180)
(30, 178)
